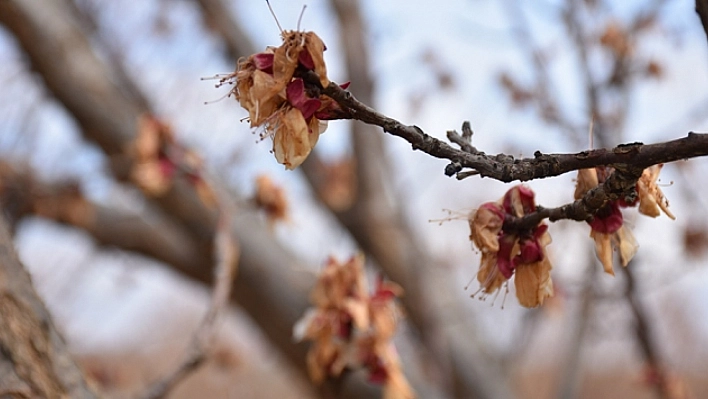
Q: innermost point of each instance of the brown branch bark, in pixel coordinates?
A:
(34, 360)
(506, 168)
(146, 230)
(702, 11)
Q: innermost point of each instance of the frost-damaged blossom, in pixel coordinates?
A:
(351, 328)
(158, 158)
(270, 197)
(607, 229)
(505, 253)
(606, 226)
(277, 102)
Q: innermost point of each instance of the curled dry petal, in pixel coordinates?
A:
(489, 275)
(533, 283)
(603, 250)
(587, 180)
(627, 245)
(316, 47)
(339, 281)
(293, 141)
(533, 280)
(271, 199)
(485, 225)
(651, 199)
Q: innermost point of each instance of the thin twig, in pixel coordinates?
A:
(226, 255)
(644, 336)
(506, 168)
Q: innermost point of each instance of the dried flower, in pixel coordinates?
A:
(158, 158)
(271, 198)
(606, 226)
(278, 102)
(507, 252)
(351, 328)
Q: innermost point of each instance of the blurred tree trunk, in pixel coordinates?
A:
(34, 361)
(53, 38)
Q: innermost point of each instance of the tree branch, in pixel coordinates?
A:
(504, 167)
(34, 361)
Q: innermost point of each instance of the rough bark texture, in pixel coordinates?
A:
(34, 361)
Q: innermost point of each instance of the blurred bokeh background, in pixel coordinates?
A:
(126, 271)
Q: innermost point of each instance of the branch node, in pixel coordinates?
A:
(467, 131)
(464, 175)
(452, 168)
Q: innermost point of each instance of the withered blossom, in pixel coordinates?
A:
(351, 328)
(505, 253)
(271, 199)
(158, 158)
(277, 101)
(607, 225)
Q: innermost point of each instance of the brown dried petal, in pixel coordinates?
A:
(149, 176)
(533, 282)
(603, 250)
(627, 244)
(485, 225)
(489, 275)
(587, 180)
(358, 310)
(651, 198)
(291, 143)
(384, 320)
(337, 282)
(316, 48)
(285, 58)
(264, 99)
(271, 198)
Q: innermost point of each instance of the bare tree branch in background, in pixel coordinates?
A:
(145, 230)
(275, 295)
(34, 360)
(226, 255)
(644, 336)
(570, 378)
(702, 11)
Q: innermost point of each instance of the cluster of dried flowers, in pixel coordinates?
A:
(351, 328)
(507, 253)
(523, 253)
(607, 227)
(277, 101)
(158, 158)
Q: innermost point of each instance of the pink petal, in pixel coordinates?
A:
(295, 92)
(608, 220)
(531, 252)
(504, 264)
(264, 62)
(305, 59)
